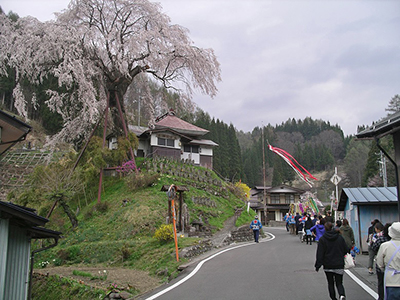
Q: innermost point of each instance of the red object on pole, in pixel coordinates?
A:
(172, 195)
(175, 235)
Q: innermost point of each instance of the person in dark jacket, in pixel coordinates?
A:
(371, 253)
(329, 217)
(297, 219)
(347, 233)
(307, 226)
(330, 253)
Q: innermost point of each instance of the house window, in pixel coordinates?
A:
(289, 198)
(165, 142)
(191, 149)
(170, 143)
(161, 141)
(275, 199)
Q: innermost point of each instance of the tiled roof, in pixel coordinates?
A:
(172, 121)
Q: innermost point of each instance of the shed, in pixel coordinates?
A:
(362, 205)
(18, 226)
(12, 131)
(389, 125)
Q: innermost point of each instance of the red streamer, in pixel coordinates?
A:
(291, 161)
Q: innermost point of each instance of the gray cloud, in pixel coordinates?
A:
(333, 60)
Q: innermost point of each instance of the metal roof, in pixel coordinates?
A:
(13, 131)
(387, 125)
(368, 196)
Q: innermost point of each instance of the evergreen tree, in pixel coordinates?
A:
(394, 104)
(372, 167)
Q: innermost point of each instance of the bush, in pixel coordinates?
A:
(165, 233)
(101, 207)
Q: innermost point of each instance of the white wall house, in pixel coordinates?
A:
(172, 137)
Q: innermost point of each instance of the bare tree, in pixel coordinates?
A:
(96, 48)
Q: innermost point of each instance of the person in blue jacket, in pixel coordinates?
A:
(256, 226)
(318, 229)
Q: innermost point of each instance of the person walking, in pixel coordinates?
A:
(318, 229)
(388, 259)
(347, 233)
(256, 226)
(330, 254)
(297, 219)
(371, 254)
(329, 217)
(307, 228)
(375, 246)
(286, 219)
(292, 225)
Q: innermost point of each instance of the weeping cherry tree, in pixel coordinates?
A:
(95, 49)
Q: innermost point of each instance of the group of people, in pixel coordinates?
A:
(313, 227)
(336, 239)
(384, 248)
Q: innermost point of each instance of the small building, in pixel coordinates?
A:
(362, 205)
(12, 131)
(278, 200)
(18, 226)
(173, 137)
(387, 126)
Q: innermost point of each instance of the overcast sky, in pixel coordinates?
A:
(338, 61)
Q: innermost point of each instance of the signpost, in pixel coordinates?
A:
(171, 197)
(335, 179)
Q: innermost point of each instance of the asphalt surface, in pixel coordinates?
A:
(279, 267)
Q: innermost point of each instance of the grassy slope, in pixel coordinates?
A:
(122, 236)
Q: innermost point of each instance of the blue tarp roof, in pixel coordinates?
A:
(367, 196)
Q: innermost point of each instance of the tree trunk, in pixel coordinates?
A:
(67, 210)
(118, 89)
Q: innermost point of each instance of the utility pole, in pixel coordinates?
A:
(382, 168)
(264, 191)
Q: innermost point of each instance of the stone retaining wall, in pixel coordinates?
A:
(195, 250)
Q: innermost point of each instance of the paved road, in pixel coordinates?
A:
(280, 268)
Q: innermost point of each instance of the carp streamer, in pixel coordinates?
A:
(292, 162)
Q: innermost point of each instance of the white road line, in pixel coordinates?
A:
(362, 284)
(200, 265)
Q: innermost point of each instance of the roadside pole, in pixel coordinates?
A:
(172, 195)
(335, 179)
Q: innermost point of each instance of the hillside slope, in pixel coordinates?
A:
(117, 234)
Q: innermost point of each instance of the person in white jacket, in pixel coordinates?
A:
(388, 259)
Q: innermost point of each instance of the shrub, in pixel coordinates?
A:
(101, 207)
(165, 233)
(126, 252)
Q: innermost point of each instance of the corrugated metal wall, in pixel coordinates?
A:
(383, 213)
(360, 217)
(4, 225)
(17, 269)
